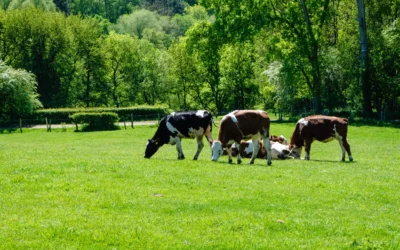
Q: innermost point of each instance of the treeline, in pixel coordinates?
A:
(291, 55)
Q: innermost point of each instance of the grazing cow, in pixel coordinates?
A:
(177, 125)
(239, 125)
(279, 149)
(321, 128)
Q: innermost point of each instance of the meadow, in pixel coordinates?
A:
(95, 190)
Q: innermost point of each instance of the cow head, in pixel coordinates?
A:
(151, 148)
(216, 150)
(295, 151)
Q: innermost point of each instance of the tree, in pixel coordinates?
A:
(137, 22)
(204, 43)
(46, 5)
(18, 94)
(38, 41)
(237, 76)
(298, 23)
(364, 72)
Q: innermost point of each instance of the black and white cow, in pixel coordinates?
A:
(178, 125)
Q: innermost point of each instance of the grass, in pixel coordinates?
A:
(67, 190)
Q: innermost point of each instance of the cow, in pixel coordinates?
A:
(239, 125)
(177, 125)
(279, 149)
(322, 128)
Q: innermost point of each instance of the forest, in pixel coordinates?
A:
(289, 55)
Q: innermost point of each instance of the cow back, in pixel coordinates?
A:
(251, 122)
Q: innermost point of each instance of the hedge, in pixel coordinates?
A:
(96, 121)
(139, 112)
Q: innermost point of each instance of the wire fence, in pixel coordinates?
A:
(126, 121)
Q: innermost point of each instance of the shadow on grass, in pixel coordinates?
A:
(334, 161)
(8, 130)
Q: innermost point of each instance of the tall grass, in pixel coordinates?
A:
(96, 191)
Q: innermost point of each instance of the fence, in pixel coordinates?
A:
(48, 123)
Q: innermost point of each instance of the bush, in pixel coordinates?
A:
(96, 121)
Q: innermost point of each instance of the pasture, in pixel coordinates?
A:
(95, 190)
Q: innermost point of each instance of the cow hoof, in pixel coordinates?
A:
(239, 161)
(252, 162)
(269, 163)
(195, 159)
(230, 161)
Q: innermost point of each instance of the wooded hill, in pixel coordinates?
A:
(296, 56)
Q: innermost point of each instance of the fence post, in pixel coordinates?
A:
(49, 129)
(132, 120)
(124, 124)
(20, 124)
(158, 119)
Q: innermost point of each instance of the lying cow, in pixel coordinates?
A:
(279, 149)
(239, 125)
(321, 128)
(179, 125)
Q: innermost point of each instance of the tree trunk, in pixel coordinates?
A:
(87, 94)
(314, 61)
(364, 73)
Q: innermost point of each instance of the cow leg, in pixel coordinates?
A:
(342, 148)
(228, 150)
(179, 148)
(239, 157)
(208, 135)
(307, 147)
(256, 147)
(200, 146)
(346, 145)
(267, 145)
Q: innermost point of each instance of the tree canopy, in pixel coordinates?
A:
(296, 56)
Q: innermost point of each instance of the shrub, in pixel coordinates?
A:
(96, 121)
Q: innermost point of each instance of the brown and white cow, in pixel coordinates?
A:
(322, 128)
(239, 125)
(279, 149)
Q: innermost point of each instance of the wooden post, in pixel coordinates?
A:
(20, 124)
(47, 124)
(131, 120)
(124, 124)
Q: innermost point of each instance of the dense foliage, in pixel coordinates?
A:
(295, 56)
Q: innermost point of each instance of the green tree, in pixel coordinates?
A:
(39, 42)
(18, 94)
(299, 23)
(204, 42)
(46, 5)
(183, 72)
(136, 23)
(237, 76)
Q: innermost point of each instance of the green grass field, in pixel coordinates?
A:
(68, 190)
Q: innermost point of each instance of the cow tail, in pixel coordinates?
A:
(213, 122)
